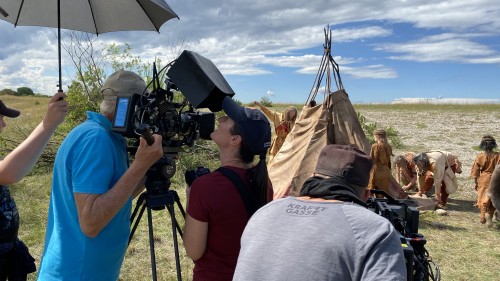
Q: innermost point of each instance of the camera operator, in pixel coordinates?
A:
(15, 261)
(216, 212)
(325, 234)
(93, 184)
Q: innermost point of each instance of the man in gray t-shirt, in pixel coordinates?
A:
(327, 233)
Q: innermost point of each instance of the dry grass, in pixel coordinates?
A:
(462, 247)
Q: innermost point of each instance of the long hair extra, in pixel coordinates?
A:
(488, 143)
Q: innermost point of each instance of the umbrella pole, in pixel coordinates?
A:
(59, 42)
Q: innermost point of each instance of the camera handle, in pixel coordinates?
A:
(157, 202)
(146, 134)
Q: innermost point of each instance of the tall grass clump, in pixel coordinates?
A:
(369, 128)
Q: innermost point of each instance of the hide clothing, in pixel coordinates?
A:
(380, 175)
(482, 170)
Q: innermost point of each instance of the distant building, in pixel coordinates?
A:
(444, 101)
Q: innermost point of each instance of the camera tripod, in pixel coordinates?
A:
(158, 200)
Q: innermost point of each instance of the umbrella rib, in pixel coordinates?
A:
(93, 17)
(157, 29)
(19, 13)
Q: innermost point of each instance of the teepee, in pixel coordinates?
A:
(332, 120)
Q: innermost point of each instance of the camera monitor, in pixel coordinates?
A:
(125, 107)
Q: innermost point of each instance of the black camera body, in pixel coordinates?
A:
(191, 175)
(404, 216)
(179, 123)
(158, 113)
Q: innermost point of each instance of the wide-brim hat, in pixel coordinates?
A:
(7, 111)
(255, 127)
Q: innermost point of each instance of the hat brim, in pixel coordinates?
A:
(10, 112)
(232, 109)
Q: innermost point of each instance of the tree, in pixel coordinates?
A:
(93, 66)
(8, 92)
(24, 91)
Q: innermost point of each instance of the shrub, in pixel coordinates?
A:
(266, 101)
(369, 128)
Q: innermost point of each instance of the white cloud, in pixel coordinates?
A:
(245, 37)
(442, 47)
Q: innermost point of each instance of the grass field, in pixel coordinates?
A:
(462, 247)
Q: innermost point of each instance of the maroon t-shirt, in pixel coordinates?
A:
(215, 200)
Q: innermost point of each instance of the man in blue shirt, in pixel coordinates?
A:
(92, 190)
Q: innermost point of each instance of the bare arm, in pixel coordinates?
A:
(274, 116)
(413, 181)
(140, 187)
(22, 159)
(195, 237)
(95, 211)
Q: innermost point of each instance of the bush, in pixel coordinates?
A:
(266, 101)
(369, 128)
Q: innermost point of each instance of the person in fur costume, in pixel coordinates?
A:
(381, 152)
(494, 190)
(443, 166)
(481, 173)
(283, 124)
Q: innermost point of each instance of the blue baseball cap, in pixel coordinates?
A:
(255, 128)
(7, 111)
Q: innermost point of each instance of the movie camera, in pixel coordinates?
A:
(180, 123)
(404, 216)
(160, 111)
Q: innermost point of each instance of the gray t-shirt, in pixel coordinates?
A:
(292, 239)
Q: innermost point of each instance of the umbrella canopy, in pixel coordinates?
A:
(94, 16)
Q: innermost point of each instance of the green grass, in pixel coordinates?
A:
(463, 248)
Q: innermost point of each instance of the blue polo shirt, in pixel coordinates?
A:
(90, 160)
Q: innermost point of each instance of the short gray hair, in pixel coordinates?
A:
(107, 107)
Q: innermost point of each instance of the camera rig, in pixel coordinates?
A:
(179, 124)
(159, 111)
(404, 216)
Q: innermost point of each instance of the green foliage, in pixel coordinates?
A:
(84, 93)
(266, 101)
(24, 91)
(369, 128)
(8, 92)
(81, 101)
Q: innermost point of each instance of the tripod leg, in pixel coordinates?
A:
(136, 223)
(151, 243)
(175, 225)
(179, 205)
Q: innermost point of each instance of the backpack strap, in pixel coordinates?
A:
(242, 188)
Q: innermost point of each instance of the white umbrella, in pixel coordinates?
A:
(94, 16)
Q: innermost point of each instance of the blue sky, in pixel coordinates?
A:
(385, 49)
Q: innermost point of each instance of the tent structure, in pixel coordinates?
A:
(332, 120)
